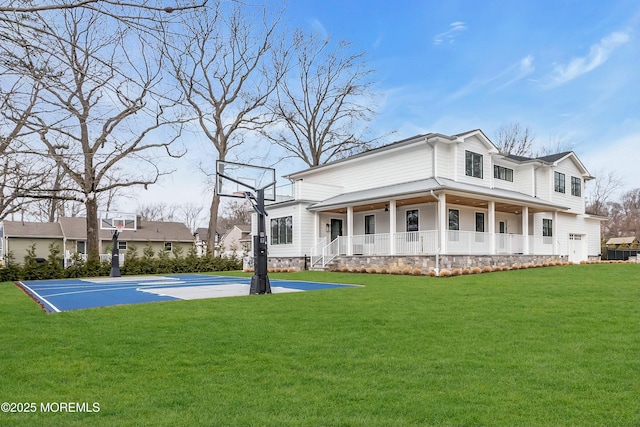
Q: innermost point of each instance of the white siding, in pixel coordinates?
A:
(302, 223)
(473, 145)
(569, 169)
(504, 184)
(544, 183)
(390, 167)
(314, 191)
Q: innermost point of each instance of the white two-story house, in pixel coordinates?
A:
(436, 195)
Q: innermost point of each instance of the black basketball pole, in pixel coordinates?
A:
(115, 256)
(260, 280)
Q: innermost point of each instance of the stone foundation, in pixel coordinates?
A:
(284, 264)
(415, 265)
(423, 265)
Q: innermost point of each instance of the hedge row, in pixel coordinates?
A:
(34, 268)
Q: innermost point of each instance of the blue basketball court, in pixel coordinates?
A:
(76, 294)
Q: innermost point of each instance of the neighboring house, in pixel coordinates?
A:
(70, 235)
(434, 195)
(236, 241)
(628, 242)
(201, 236)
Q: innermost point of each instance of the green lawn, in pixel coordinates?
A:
(539, 347)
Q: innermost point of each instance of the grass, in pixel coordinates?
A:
(538, 347)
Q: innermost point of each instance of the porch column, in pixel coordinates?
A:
(392, 227)
(492, 227)
(554, 233)
(316, 228)
(442, 222)
(525, 230)
(349, 230)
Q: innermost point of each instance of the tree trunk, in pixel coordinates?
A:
(93, 231)
(213, 223)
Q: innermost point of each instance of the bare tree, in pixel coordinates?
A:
(324, 102)
(515, 139)
(158, 212)
(600, 190)
(98, 104)
(190, 214)
(18, 177)
(227, 61)
(555, 145)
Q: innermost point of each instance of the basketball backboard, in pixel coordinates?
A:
(234, 179)
(110, 220)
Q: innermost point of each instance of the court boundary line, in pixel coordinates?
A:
(34, 293)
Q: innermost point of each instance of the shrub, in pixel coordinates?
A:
(417, 272)
(487, 269)
(476, 270)
(466, 271)
(445, 273)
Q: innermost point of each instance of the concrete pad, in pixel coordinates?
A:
(210, 291)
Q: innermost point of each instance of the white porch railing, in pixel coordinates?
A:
(416, 242)
(317, 253)
(426, 243)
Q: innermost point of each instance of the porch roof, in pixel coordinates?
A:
(421, 191)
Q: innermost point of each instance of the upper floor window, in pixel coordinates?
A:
(473, 164)
(500, 172)
(576, 186)
(558, 182)
(168, 246)
(282, 230)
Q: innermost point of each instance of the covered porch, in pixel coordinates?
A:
(435, 223)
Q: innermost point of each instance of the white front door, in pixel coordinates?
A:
(577, 247)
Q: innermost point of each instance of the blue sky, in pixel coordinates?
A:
(568, 70)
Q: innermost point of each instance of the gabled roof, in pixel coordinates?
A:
(43, 230)
(552, 159)
(622, 240)
(76, 229)
(428, 137)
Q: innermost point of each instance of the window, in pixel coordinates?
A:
(454, 219)
(168, 246)
(479, 222)
(558, 182)
(547, 228)
(282, 230)
(369, 224)
(122, 246)
(576, 186)
(473, 164)
(81, 247)
(501, 172)
(412, 220)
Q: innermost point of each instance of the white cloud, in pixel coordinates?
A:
(598, 55)
(511, 74)
(450, 35)
(518, 71)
